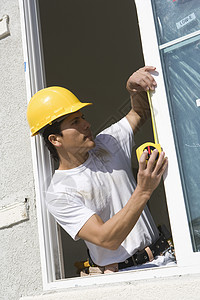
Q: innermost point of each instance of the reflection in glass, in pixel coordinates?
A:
(181, 66)
(176, 18)
(183, 82)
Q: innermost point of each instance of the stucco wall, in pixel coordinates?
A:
(176, 288)
(19, 249)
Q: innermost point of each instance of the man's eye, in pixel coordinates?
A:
(75, 122)
(83, 117)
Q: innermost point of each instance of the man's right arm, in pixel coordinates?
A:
(113, 232)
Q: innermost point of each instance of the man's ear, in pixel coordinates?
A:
(55, 140)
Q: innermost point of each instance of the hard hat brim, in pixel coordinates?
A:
(64, 112)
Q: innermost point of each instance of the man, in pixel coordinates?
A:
(93, 194)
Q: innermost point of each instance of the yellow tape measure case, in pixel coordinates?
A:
(149, 146)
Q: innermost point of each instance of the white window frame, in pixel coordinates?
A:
(49, 235)
(188, 262)
(173, 188)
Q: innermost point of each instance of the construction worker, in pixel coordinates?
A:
(93, 194)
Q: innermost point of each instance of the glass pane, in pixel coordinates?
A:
(176, 18)
(182, 72)
(181, 67)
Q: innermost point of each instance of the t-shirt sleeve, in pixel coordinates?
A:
(69, 211)
(119, 135)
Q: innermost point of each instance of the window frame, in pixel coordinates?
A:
(172, 182)
(49, 236)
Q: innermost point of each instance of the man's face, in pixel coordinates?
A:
(76, 134)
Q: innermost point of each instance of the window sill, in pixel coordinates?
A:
(123, 277)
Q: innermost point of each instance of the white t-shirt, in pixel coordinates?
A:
(102, 184)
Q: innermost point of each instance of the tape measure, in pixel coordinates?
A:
(149, 146)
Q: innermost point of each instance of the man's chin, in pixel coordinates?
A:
(92, 142)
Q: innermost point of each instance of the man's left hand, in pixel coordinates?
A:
(141, 80)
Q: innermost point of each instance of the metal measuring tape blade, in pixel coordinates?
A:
(150, 146)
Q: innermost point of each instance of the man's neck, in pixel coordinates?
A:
(72, 162)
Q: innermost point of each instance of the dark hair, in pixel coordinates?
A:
(54, 128)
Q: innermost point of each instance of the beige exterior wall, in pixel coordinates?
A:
(19, 249)
(176, 288)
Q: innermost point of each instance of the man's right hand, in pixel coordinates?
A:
(150, 172)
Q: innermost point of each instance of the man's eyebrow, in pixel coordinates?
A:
(76, 117)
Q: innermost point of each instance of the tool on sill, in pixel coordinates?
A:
(149, 146)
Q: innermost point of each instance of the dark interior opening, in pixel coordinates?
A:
(91, 47)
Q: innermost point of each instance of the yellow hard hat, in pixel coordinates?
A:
(49, 104)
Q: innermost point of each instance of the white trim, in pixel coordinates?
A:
(13, 214)
(33, 145)
(181, 39)
(35, 80)
(4, 28)
(125, 276)
(175, 200)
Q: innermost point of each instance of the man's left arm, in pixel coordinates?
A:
(137, 85)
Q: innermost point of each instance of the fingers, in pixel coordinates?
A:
(152, 160)
(150, 172)
(159, 166)
(148, 68)
(146, 80)
(142, 80)
(142, 161)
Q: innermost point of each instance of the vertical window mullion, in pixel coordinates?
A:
(172, 182)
